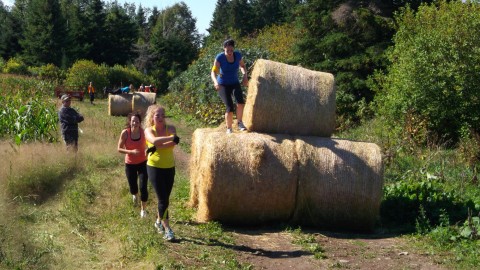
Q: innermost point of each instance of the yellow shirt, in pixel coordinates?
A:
(162, 158)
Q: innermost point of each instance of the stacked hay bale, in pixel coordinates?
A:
(119, 105)
(142, 100)
(274, 174)
(291, 100)
(123, 104)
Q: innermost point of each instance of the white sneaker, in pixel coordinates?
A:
(143, 213)
(134, 199)
(229, 131)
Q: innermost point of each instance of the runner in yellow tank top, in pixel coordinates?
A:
(161, 163)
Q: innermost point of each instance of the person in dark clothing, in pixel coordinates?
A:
(69, 119)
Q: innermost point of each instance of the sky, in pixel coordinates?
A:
(202, 10)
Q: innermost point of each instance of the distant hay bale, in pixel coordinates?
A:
(340, 183)
(290, 100)
(119, 105)
(242, 178)
(142, 100)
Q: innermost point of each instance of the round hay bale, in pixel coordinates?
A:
(119, 105)
(141, 101)
(340, 183)
(290, 100)
(242, 178)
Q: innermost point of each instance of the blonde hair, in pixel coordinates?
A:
(149, 115)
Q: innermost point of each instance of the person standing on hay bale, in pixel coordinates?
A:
(69, 119)
(225, 79)
(161, 139)
(133, 144)
(91, 92)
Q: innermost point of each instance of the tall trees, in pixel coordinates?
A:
(120, 36)
(174, 42)
(347, 39)
(44, 32)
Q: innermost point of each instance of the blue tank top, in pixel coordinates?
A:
(228, 71)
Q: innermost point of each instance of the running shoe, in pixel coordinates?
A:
(169, 236)
(134, 199)
(229, 131)
(143, 213)
(159, 227)
(241, 126)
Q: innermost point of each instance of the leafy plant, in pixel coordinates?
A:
(431, 87)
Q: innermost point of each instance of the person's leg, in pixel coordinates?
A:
(237, 92)
(131, 173)
(143, 176)
(225, 94)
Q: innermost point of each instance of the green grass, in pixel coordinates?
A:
(61, 211)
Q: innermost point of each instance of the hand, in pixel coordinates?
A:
(151, 150)
(176, 139)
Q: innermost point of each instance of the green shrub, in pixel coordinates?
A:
(50, 72)
(15, 66)
(125, 75)
(83, 72)
(421, 203)
(430, 90)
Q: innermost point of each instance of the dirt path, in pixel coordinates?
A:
(273, 249)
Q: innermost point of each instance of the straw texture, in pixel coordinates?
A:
(340, 183)
(242, 178)
(290, 100)
(119, 105)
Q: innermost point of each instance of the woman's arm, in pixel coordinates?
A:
(121, 145)
(243, 68)
(215, 71)
(159, 142)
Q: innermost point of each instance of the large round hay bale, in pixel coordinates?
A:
(242, 178)
(290, 99)
(142, 100)
(340, 183)
(119, 105)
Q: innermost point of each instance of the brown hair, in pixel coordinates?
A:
(129, 118)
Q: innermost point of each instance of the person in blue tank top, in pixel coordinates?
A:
(227, 83)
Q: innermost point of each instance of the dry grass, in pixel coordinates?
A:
(284, 99)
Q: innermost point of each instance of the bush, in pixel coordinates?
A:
(48, 72)
(431, 88)
(83, 72)
(15, 66)
(421, 203)
(125, 75)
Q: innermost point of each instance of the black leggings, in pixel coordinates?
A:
(225, 92)
(162, 182)
(134, 171)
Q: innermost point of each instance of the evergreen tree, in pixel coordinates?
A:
(219, 23)
(6, 34)
(96, 18)
(174, 42)
(77, 40)
(348, 39)
(121, 34)
(16, 26)
(43, 40)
